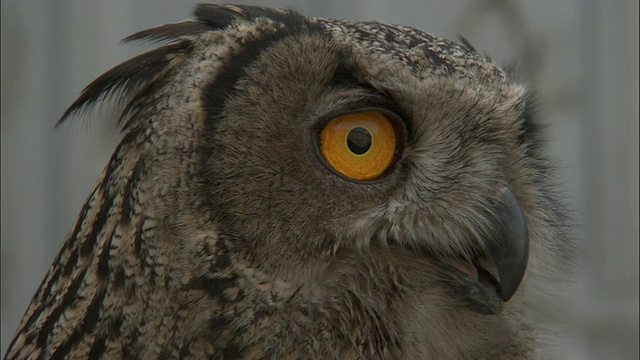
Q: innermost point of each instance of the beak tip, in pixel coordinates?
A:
(509, 287)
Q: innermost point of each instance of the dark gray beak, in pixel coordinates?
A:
(509, 246)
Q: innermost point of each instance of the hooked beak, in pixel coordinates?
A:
(509, 249)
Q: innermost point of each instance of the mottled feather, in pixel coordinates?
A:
(216, 230)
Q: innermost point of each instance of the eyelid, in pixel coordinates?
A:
(369, 99)
(362, 107)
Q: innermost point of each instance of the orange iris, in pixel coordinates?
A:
(359, 145)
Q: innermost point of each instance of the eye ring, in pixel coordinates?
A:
(360, 146)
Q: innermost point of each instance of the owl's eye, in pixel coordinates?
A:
(359, 145)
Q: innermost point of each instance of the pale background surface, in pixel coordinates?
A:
(581, 55)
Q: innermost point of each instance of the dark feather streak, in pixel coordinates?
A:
(68, 299)
(87, 325)
(101, 219)
(98, 347)
(128, 198)
(105, 256)
(436, 60)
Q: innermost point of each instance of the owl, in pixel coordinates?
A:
(290, 187)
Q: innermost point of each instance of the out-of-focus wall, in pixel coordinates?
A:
(581, 55)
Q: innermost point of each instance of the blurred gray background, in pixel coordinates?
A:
(582, 56)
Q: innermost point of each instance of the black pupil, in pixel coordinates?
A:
(359, 140)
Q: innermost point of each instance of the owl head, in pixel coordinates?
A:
(385, 178)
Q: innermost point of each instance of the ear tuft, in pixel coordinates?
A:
(131, 79)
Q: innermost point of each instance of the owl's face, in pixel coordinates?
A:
(445, 153)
